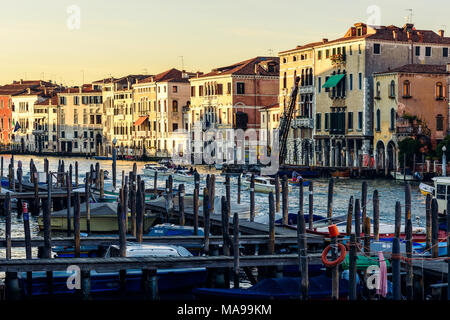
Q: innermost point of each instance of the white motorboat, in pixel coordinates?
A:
(426, 189)
(400, 176)
(184, 176)
(150, 169)
(262, 184)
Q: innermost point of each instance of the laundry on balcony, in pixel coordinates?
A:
(333, 81)
(140, 120)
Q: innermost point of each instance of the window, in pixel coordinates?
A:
(428, 51)
(174, 106)
(75, 134)
(417, 51)
(392, 119)
(439, 122)
(327, 121)
(360, 120)
(76, 100)
(220, 89)
(318, 121)
(392, 89)
(350, 51)
(240, 88)
(377, 48)
(284, 81)
(406, 89)
(175, 89)
(284, 60)
(360, 80)
(229, 88)
(192, 91)
(441, 191)
(439, 91)
(378, 92)
(350, 121)
(378, 127)
(445, 52)
(359, 49)
(327, 53)
(200, 91)
(351, 82)
(174, 127)
(319, 55)
(320, 84)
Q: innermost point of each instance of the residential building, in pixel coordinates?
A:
(409, 101)
(299, 62)
(120, 88)
(80, 120)
(231, 97)
(22, 111)
(344, 99)
(45, 124)
(159, 102)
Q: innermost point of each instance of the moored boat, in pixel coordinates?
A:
(150, 169)
(103, 282)
(426, 189)
(103, 218)
(285, 288)
(183, 175)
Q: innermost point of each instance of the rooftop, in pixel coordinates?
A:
(419, 68)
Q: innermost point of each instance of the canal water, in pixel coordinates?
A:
(389, 192)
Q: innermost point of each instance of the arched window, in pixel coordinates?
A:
(174, 106)
(284, 81)
(392, 89)
(378, 128)
(310, 80)
(439, 122)
(439, 91)
(406, 89)
(378, 93)
(392, 119)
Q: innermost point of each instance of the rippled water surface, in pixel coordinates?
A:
(389, 192)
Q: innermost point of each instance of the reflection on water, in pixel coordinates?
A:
(389, 192)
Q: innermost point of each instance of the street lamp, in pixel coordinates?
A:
(444, 161)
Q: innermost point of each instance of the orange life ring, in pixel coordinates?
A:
(339, 260)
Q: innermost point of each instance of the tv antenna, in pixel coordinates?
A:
(409, 17)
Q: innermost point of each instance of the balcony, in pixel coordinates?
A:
(302, 122)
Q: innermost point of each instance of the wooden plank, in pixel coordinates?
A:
(180, 240)
(120, 263)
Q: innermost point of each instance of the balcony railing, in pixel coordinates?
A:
(301, 122)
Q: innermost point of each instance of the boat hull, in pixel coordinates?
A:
(183, 178)
(100, 223)
(168, 280)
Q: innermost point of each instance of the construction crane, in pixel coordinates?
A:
(285, 122)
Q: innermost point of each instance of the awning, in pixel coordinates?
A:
(333, 81)
(140, 120)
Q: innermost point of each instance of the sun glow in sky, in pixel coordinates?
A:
(40, 38)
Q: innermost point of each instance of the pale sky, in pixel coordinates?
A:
(149, 36)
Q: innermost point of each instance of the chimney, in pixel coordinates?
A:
(29, 90)
(395, 34)
(441, 33)
(420, 34)
(21, 81)
(81, 89)
(409, 33)
(128, 84)
(324, 40)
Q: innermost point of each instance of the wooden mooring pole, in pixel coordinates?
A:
(302, 245)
